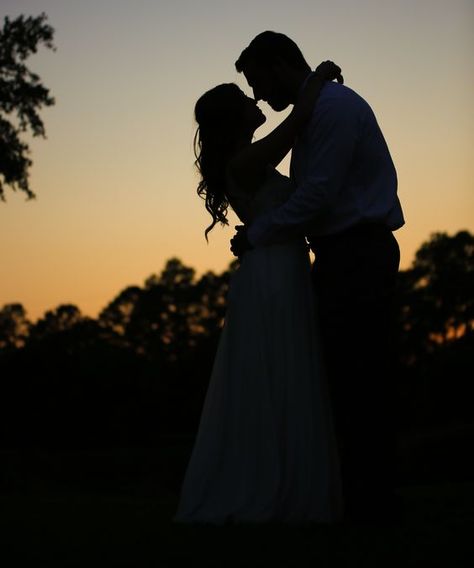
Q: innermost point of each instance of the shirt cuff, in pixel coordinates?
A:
(252, 235)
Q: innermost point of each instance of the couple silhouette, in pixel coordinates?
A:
(298, 420)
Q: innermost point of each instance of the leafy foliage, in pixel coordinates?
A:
(141, 369)
(22, 95)
(14, 326)
(436, 297)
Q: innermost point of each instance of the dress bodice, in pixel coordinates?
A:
(274, 191)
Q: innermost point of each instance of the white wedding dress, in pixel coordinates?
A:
(265, 448)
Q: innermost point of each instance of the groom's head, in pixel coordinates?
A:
(274, 68)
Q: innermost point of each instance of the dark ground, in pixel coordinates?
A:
(114, 508)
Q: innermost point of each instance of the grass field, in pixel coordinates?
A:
(115, 509)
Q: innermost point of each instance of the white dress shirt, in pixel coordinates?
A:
(343, 173)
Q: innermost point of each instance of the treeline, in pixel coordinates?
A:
(139, 372)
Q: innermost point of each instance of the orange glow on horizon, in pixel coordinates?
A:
(115, 179)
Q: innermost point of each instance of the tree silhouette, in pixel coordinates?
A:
(172, 316)
(22, 95)
(63, 318)
(436, 300)
(436, 326)
(139, 372)
(173, 324)
(116, 316)
(14, 326)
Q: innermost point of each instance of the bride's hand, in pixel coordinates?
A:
(329, 71)
(239, 243)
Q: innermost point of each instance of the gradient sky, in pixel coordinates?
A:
(115, 179)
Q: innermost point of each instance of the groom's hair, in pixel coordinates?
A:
(268, 48)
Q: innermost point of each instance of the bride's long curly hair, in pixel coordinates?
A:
(218, 114)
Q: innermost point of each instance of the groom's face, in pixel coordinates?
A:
(267, 85)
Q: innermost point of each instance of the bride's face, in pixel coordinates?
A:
(252, 116)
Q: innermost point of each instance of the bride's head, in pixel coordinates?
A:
(227, 120)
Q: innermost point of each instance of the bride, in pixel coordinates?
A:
(265, 448)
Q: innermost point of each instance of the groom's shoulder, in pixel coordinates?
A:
(335, 97)
(340, 94)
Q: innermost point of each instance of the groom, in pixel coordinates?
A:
(346, 204)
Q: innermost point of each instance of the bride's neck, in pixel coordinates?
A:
(243, 141)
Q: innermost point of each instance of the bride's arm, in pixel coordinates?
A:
(270, 150)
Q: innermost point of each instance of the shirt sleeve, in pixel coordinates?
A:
(331, 137)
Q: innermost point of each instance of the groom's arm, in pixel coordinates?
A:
(332, 135)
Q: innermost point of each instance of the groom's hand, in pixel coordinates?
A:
(329, 71)
(239, 244)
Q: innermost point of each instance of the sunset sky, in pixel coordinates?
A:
(115, 180)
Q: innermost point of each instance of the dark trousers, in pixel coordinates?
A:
(354, 276)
